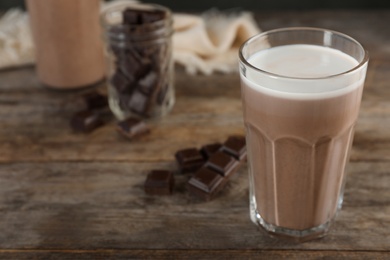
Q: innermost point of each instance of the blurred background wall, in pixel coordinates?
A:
(200, 5)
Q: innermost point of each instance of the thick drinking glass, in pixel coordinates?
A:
(301, 90)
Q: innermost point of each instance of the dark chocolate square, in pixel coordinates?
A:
(148, 84)
(86, 121)
(205, 184)
(118, 51)
(132, 17)
(152, 16)
(155, 54)
(133, 67)
(222, 163)
(141, 50)
(124, 101)
(132, 127)
(189, 160)
(159, 182)
(235, 146)
(138, 17)
(122, 83)
(210, 149)
(139, 103)
(95, 100)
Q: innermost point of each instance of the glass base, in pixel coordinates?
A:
(93, 85)
(292, 234)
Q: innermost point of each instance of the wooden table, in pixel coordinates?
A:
(76, 196)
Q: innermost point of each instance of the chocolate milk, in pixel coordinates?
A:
(298, 142)
(67, 37)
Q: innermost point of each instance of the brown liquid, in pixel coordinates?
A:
(298, 150)
(67, 36)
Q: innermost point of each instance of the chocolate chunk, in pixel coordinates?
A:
(148, 84)
(124, 101)
(139, 103)
(205, 184)
(122, 83)
(132, 127)
(152, 16)
(132, 17)
(141, 50)
(235, 146)
(158, 57)
(95, 100)
(222, 163)
(85, 121)
(189, 160)
(114, 30)
(133, 67)
(219, 168)
(138, 17)
(209, 149)
(159, 182)
(118, 51)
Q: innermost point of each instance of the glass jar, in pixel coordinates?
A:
(140, 75)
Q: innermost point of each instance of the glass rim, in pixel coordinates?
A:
(286, 29)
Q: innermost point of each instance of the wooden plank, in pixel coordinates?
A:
(190, 254)
(102, 206)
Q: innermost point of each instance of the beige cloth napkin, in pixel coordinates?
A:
(205, 44)
(210, 42)
(16, 46)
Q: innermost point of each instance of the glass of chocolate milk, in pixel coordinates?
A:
(68, 45)
(301, 90)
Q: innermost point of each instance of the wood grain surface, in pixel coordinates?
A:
(75, 196)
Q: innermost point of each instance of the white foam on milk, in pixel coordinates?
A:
(300, 66)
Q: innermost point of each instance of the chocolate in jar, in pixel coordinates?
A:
(140, 53)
